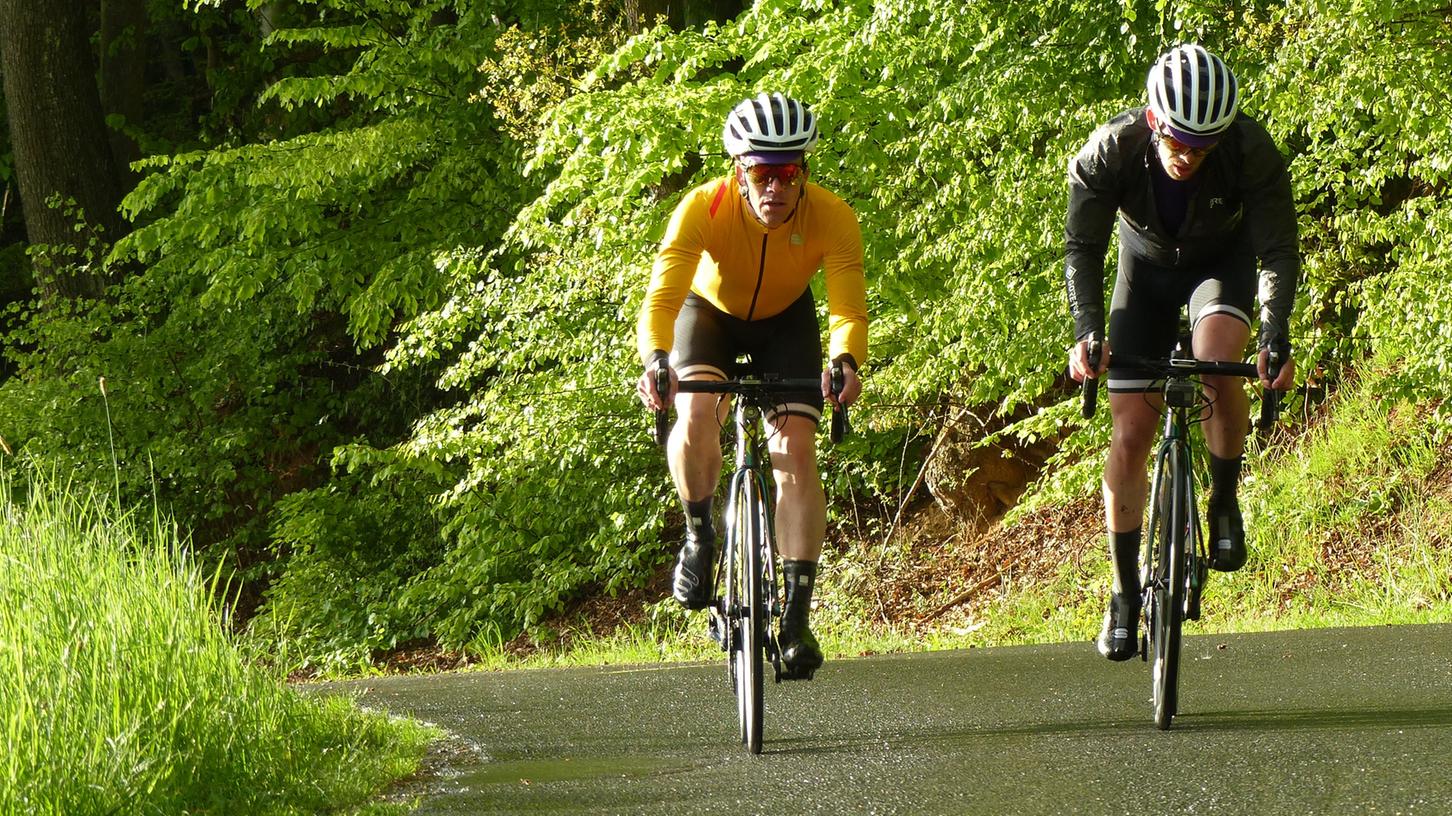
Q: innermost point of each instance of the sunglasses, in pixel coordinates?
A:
(1179, 148)
(762, 174)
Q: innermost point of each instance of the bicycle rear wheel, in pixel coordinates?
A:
(747, 607)
(1167, 578)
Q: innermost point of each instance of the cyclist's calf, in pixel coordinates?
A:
(1229, 419)
(801, 510)
(694, 449)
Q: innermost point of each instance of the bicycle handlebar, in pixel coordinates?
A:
(1270, 402)
(1184, 368)
(751, 387)
(748, 386)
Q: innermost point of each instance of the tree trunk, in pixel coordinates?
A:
(699, 12)
(123, 75)
(62, 149)
(642, 14)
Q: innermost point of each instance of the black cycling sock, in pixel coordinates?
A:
(1124, 552)
(799, 577)
(1224, 478)
(698, 519)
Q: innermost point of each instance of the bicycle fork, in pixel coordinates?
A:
(749, 428)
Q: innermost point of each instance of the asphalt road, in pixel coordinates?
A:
(1354, 721)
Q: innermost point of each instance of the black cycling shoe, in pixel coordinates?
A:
(1118, 640)
(691, 582)
(800, 654)
(1227, 536)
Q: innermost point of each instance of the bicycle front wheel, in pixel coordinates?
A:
(1168, 528)
(748, 613)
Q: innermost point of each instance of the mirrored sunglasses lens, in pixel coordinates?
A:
(1179, 148)
(763, 174)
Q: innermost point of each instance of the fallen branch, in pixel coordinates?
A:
(963, 596)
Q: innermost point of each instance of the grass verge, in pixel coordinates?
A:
(121, 691)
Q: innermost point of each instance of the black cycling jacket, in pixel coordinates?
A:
(1244, 196)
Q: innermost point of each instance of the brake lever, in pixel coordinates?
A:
(662, 416)
(1090, 386)
(840, 425)
(1270, 401)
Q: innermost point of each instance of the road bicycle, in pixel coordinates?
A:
(747, 602)
(1176, 559)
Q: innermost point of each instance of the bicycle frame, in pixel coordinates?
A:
(747, 595)
(1172, 567)
(1174, 564)
(750, 445)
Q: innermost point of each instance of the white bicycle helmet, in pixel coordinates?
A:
(1194, 93)
(769, 123)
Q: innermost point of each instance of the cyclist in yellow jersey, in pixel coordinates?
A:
(732, 277)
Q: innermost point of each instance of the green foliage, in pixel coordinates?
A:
(1360, 89)
(388, 348)
(354, 547)
(272, 274)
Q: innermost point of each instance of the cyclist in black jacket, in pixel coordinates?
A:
(1203, 200)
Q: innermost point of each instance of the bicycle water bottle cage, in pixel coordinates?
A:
(1181, 393)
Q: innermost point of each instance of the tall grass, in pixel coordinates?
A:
(1348, 528)
(121, 690)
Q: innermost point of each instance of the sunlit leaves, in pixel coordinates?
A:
(487, 211)
(1361, 90)
(946, 125)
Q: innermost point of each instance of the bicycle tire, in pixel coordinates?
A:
(749, 613)
(1167, 597)
(731, 573)
(1197, 561)
(774, 602)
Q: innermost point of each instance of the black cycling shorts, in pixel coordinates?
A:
(1144, 314)
(708, 341)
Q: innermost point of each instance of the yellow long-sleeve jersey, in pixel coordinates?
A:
(715, 246)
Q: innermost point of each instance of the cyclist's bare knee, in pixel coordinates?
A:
(1221, 336)
(701, 414)
(1135, 418)
(793, 446)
